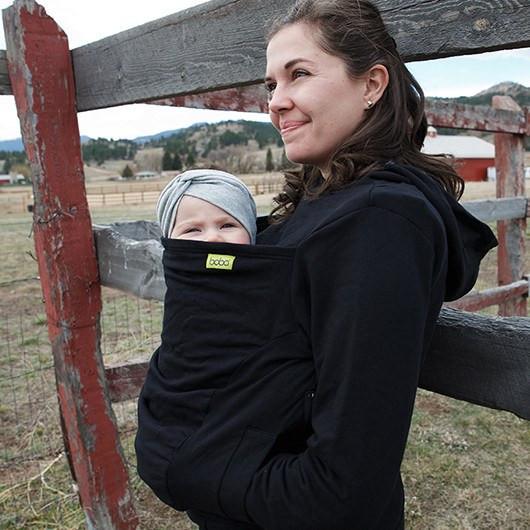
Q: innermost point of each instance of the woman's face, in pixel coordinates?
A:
(314, 103)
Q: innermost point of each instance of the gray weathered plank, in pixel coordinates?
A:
(130, 258)
(497, 209)
(478, 359)
(482, 360)
(5, 84)
(221, 44)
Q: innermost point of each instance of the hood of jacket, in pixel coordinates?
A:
(468, 239)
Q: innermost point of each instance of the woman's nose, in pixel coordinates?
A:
(279, 100)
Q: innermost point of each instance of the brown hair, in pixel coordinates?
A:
(393, 129)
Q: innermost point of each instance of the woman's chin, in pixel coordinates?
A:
(297, 157)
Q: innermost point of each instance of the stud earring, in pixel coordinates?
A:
(369, 104)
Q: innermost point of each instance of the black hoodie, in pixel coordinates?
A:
(283, 389)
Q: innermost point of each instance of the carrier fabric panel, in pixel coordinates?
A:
(233, 366)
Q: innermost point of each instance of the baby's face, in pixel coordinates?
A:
(201, 220)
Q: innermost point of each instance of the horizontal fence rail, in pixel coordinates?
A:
(129, 254)
(478, 359)
(474, 358)
(494, 351)
(123, 69)
(128, 71)
(254, 99)
(439, 113)
(493, 296)
(476, 117)
(488, 210)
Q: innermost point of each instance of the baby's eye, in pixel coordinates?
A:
(191, 229)
(229, 225)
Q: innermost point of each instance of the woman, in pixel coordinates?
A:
(294, 413)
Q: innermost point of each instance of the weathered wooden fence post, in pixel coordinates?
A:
(41, 75)
(509, 164)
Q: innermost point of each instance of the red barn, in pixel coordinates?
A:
(473, 155)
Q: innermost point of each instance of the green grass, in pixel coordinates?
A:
(465, 467)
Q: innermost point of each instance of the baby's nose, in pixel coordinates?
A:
(214, 236)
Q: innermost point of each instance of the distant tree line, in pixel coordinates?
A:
(15, 162)
(103, 149)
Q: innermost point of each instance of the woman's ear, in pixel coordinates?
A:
(376, 83)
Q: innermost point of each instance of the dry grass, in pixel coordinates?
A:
(466, 467)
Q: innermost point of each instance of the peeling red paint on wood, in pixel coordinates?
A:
(509, 163)
(471, 117)
(253, 98)
(125, 381)
(42, 79)
(243, 99)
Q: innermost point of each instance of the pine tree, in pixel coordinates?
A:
(269, 164)
(127, 172)
(190, 159)
(177, 163)
(285, 162)
(167, 161)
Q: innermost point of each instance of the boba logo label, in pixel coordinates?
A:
(220, 261)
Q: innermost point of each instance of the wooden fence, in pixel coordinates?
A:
(476, 358)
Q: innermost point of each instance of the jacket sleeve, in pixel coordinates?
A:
(362, 291)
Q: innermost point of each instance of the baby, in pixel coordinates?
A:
(207, 205)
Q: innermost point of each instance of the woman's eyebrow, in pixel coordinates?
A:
(289, 64)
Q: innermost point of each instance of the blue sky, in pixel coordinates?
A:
(82, 22)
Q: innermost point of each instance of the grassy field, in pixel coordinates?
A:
(466, 467)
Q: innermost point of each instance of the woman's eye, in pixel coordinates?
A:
(299, 73)
(269, 87)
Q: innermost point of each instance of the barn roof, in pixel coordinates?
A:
(458, 146)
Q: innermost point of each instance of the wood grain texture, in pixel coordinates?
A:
(482, 360)
(126, 380)
(476, 301)
(478, 359)
(43, 85)
(5, 84)
(475, 117)
(253, 98)
(488, 210)
(130, 258)
(221, 45)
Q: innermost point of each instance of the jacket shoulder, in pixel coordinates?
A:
(398, 198)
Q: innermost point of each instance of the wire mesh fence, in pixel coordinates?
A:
(36, 489)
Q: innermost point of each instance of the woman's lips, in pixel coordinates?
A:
(289, 126)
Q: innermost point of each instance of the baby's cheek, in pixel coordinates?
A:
(242, 238)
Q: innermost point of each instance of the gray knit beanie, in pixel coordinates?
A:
(217, 187)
